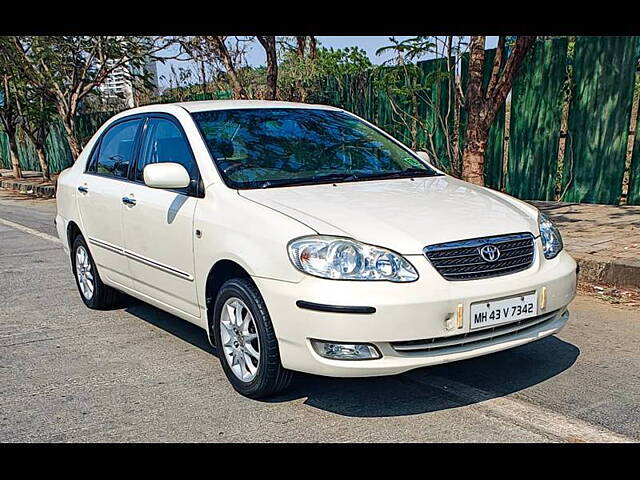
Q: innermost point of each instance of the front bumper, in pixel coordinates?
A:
(407, 312)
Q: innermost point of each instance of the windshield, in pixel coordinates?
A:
(261, 148)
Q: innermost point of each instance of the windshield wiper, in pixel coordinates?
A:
(349, 177)
(408, 173)
(333, 177)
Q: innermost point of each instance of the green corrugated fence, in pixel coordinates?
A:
(536, 115)
(604, 74)
(56, 146)
(634, 180)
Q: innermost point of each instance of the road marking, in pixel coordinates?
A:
(534, 418)
(22, 228)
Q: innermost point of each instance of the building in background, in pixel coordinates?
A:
(118, 85)
(121, 85)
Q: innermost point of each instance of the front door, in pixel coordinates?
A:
(158, 223)
(99, 195)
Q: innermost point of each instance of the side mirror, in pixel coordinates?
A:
(166, 175)
(424, 156)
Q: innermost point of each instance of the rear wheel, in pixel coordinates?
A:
(246, 342)
(94, 293)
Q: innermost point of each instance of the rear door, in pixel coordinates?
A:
(100, 193)
(158, 223)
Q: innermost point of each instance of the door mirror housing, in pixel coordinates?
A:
(424, 156)
(166, 175)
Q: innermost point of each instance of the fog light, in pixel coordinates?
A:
(345, 351)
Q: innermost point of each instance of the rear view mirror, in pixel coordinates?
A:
(424, 156)
(166, 175)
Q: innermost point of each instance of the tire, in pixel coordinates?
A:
(269, 376)
(101, 297)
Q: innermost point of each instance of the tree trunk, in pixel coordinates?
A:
(475, 140)
(13, 152)
(481, 106)
(44, 165)
(313, 47)
(475, 148)
(302, 43)
(69, 124)
(269, 44)
(414, 121)
(222, 51)
(204, 77)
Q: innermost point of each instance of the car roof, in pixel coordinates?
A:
(204, 105)
(235, 104)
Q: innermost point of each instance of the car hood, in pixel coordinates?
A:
(403, 215)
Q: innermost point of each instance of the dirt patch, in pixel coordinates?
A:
(624, 297)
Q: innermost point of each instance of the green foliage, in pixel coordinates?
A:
(300, 76)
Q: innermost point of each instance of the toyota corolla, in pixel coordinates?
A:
(303, 238)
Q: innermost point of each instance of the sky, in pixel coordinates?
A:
(369, 44)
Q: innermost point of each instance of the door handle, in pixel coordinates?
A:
(128, 201)
(83, 189)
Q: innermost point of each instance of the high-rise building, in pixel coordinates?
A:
(121, 83)
(118, 84)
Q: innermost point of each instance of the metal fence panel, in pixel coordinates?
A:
(603, 74)
(5, 158)
(633, 197)
(495, 145)
(56, 145)
(536, 115)
(436, 110)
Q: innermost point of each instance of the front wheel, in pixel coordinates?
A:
(245, 340)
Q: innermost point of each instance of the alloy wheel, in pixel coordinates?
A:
(84, 273)
(240, 342)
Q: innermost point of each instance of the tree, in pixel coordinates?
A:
(301, 78)
(408, 86)
(217, 43)
(36, 114)
(482, 105)
(68, 68)
(269, 45)
(9, 115)
(10, 121)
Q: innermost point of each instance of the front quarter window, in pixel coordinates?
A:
(269, 147)
(116, 149)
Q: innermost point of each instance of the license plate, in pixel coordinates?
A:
(504, 310)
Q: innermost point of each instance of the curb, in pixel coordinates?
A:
(43, 191)
(609, 273)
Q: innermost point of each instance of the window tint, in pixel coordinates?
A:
(116, 149)
(164, 142)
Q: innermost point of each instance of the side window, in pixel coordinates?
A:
(165, 142)
(116, 149)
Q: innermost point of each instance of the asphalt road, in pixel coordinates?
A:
(69, 374)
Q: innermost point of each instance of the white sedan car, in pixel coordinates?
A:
(303, 238)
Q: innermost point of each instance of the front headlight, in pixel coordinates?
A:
(345, 259)
(550, 236)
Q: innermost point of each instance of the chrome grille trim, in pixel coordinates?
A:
(461, 260)
(473, 336)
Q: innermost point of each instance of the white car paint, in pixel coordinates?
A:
(151, 252)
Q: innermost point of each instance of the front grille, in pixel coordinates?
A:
(474, 336)
(462, 260)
